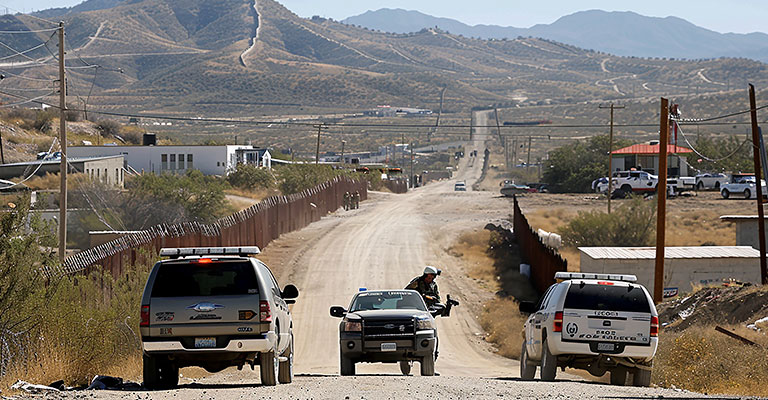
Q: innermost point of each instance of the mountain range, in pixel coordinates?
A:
(246, 59)
(621, 33)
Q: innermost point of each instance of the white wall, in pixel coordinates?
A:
(210, 160)
(678, 273)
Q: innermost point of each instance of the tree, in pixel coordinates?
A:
(733, 154)
(631, 225)
(26, 244)
(572, 168)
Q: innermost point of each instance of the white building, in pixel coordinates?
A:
(210, 160)
(683, 266)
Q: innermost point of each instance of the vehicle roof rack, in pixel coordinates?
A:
(176, 252)
(562, 276)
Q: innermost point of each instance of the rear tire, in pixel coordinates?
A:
(626, 189)
(428, 365)
(269, 365)
(527, 371)
(725, 193)
(548, 363)
(405, 367)
(159, 373)
(641, 377)
(747, 194)
(700, 186)
(347, 366)
(285, 375)
(619, 376)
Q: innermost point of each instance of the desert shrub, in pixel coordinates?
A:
(108, 127)
(44, 121)
(298, 177)
(630, 225)
(249, 176)
(19, 113)
(72, 115)
(132, 134)
(202, 197)
(706, 361)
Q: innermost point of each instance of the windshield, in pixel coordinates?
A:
(392, 300)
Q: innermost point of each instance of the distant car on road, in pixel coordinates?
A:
(595, 322)
(215, 308)
(389, 326)
(460, 186)
(711, 181)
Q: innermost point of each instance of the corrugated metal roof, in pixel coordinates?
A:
(651, 149)
(646, 253)
(739, 217)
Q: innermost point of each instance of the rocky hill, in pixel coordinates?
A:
(229, 58)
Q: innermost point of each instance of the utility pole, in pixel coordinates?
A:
(412, 178)
(63, 144)
(343, 142)
(402, 146)
(317, 150)
(610, 155)
(661, 195)
(758, 187)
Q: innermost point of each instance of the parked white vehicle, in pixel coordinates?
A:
(635, 181)
(744, 186)
(594, 322)
(711, 181)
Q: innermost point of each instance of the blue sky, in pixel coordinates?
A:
(740, 16)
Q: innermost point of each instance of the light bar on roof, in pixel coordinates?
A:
(175, 252)
(561, 276)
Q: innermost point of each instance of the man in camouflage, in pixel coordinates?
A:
(426, 285)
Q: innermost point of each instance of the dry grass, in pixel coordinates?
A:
(704, 360)
(504, 325)
(473, 248)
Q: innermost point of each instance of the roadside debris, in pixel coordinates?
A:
(33, 388)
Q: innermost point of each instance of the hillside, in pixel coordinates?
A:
(199, 57)
(620, 33)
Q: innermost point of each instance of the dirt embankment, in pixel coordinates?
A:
(740, 305)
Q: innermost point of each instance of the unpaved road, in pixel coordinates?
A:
(384, 244)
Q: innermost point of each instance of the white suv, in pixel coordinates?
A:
(595, 322)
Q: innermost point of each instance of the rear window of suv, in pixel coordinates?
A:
(213, 279)
(607, 298)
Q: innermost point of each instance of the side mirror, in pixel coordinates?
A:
(290, 292)
(527, 307)
(338, 312)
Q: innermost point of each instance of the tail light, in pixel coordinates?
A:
(558, 323)
(265, 313)
(144, 316)
(654, 326)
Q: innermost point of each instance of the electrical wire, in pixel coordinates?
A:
(31, 100)
(39, 165)
(23, 52)
(30, 15)
(18, 53)
(695, 120)
(33, 31)
(712, 160)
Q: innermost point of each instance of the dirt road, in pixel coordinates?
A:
(384, 244)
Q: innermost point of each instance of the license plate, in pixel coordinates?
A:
(606, 347)
(205, 342)
(389, 347)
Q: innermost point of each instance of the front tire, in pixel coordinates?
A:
(347, 366)
(285, 374)
(527, 371)
(619, 376)
(725, 193)
(548, 363)
(700, 186)
(641, 377)
(269, 365)
(428, 365)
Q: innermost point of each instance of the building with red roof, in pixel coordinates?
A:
(645, 157)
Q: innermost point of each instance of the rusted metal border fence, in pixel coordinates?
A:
(543, 260)
(397, 186)
(257, 225)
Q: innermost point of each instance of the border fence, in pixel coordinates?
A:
(257, 225)
(544, 261)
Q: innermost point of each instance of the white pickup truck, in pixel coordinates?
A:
(635, 181)
(744, 185)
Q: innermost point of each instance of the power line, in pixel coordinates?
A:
(30, 15)
(712, 160)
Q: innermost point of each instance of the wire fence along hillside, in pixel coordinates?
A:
(257, 225)
(544, 261)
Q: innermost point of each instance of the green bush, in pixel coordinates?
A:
(108, 127)
(249, 176)
(572, 168)
(632, 224)
(297, 177)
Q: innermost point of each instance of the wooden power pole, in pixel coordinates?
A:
(317, 150)
(610, 155)
(661, 195)
(63, 144)
(758, 186)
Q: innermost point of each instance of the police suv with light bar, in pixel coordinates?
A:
(595, 322)
(214, 308)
